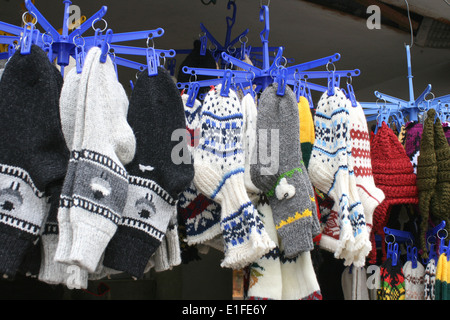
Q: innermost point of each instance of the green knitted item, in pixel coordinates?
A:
(440, 203)
(426, 175)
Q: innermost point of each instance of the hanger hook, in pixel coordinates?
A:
(330, 63)
(231, 20)
(106, 24)
(410, 24)
(32, 14)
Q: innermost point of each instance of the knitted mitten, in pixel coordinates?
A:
(100, 185)
(331, 171)
(33, 157)
(219, 174)
(285, 182)
(156, 176)
(200, 215)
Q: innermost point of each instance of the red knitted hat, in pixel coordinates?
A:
(394, 174)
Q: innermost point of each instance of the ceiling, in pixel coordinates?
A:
(307, 29)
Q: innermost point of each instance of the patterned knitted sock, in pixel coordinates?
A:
(101, 183)
(414, 281)
(288, 187)
(219, 166)
(200, 215)
(392, 282)
(426, 177)
(265, 280)
(430, 280)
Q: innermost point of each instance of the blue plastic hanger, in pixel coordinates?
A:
(63, 46)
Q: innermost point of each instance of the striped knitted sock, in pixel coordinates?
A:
(219, 166)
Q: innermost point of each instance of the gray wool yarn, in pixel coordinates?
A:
(284, 178)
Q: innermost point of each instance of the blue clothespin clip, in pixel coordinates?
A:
(192, 93)
(411, 255)
(351, 94)
(226, 83)
(203, 44)
(80, 55)
(152, 62)
(171, 64)
(332, 82)
(433, 253)
(392, 252)
(28, 38)
(105, 46)
(281, 80)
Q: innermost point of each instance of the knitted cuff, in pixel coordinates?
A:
(243, 231)
(64, 243)
(63, 215)
(173, 242)
(160, 258)
(51, 271)
(91, 235)
(12, 250)
(296, 237)
(129, 252)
